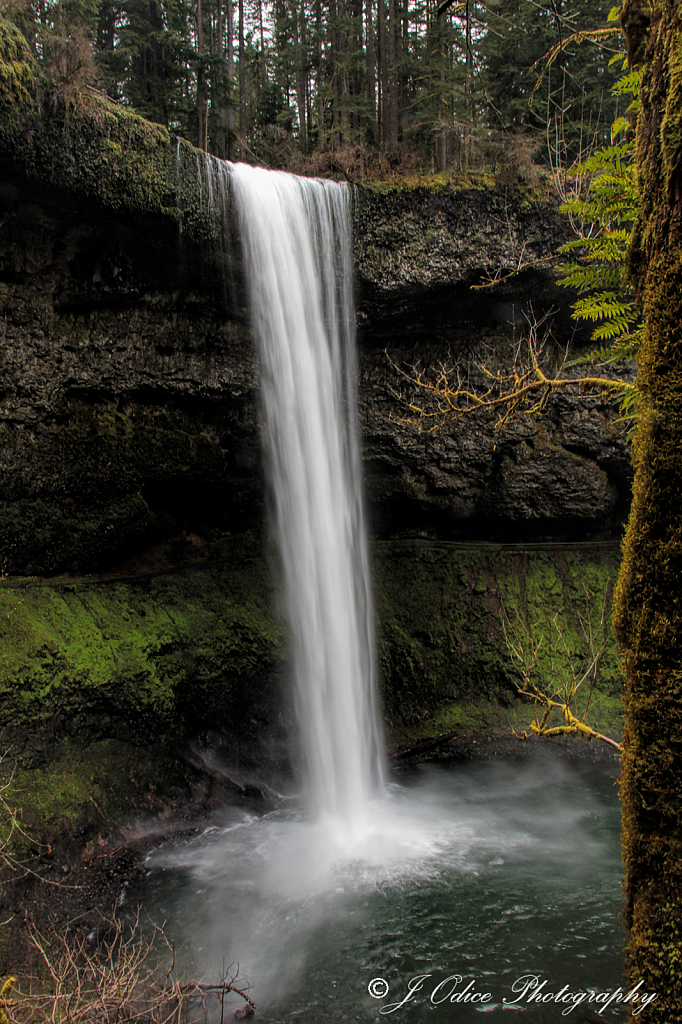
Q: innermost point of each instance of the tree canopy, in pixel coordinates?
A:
(421, 84)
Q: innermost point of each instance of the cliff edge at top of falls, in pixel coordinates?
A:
(407, 238)
(413, 239)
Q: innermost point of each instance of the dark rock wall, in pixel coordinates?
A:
(128, 407)
(565, 475)
(129, 412)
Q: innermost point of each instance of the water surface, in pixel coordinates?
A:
(483, 871)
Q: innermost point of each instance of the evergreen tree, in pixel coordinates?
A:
(568, 101)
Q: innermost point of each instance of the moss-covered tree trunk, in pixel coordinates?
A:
(648, 602)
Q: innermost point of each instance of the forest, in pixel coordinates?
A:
(370, 86)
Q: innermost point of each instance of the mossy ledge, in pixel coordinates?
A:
(86, 144)
(442, 611)
(164, 656)
(89, 145)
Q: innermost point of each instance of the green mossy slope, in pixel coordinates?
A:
(161, 657)
(121, 673)
(172, 652)
(89, 145)
(444, 658)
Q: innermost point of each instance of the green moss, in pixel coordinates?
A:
(458, 181)
(442, 649)
(427, 184)
(161, 657)
(89, 791)
(648, 623)
(80, 786)
(18, 72)
(95, 147)
(671, 126)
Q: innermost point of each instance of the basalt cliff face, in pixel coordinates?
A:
(139, 590)
(129, 406)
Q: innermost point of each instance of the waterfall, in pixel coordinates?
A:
(296, 236)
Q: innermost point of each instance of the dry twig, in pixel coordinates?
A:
(123, 978)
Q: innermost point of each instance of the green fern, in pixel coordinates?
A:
(596, 267)
(607, 213)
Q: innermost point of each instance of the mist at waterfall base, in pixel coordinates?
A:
(487, 871)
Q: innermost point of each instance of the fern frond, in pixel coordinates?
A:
(605, 306)
(606, 212)
(621, 124)
(615, 327)
(588, 278)
(624, 349)
(629, 83)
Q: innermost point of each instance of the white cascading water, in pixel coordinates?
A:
(296, 236)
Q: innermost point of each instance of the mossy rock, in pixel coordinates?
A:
(90, 145)
(162, 658)
(447, 613)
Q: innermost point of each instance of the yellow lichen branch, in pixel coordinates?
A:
(573, 727)
(525, 389)
(572, 674)
(5, 1001)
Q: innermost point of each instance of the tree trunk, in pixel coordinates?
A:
(300, 73)
(230, 79)
(383, 73)
(441, 127)
(370, 72)
(242, 81)
(392, 137)
(201, 83)
(404, 101)
(648, 603)
(468, 84)
(263, 65)
(342, 71)
(321, 134)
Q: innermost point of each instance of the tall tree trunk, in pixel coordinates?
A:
(392, 133)
(370, 71)
(383, 73)
(321, 134)
(356, 54)
(648, 603)
(441, 127)
(298, 28)
(468, 83)
(201, 83)
(403, 107)
(343, 78)
(242, 81)
(230, 80)
(263, 62)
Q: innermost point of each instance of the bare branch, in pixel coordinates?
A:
(576, 672)
(526, 389)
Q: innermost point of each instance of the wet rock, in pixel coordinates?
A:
(242, 1012)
